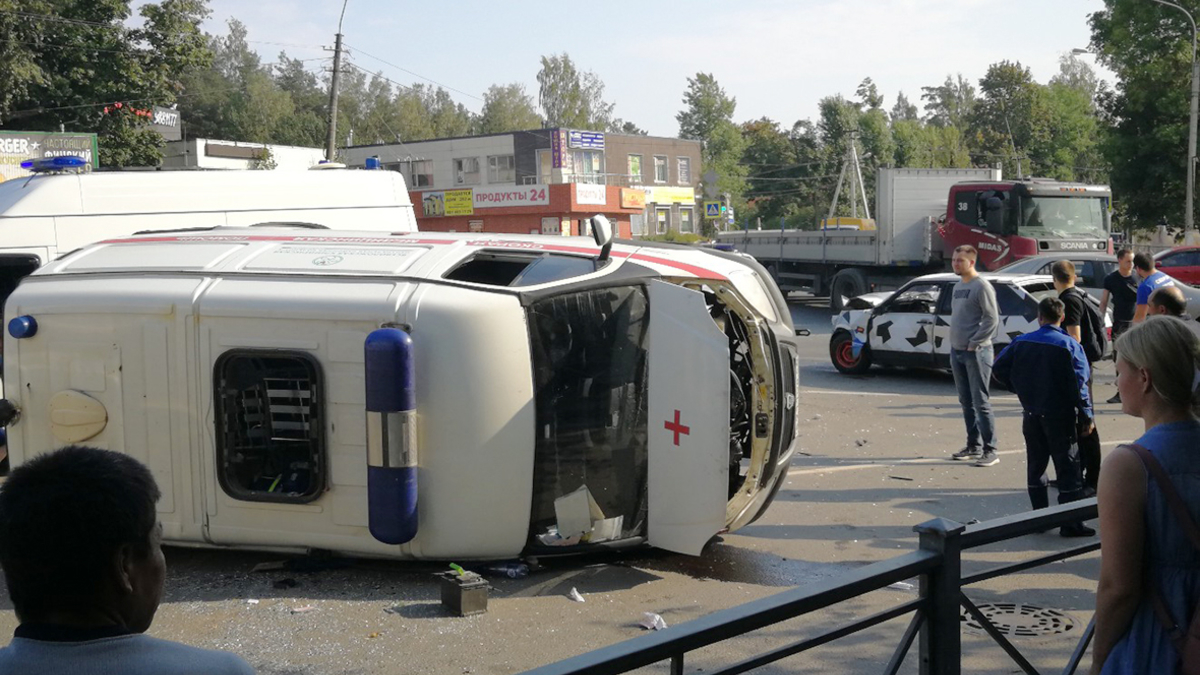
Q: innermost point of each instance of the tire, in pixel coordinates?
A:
(846, 284)
(841, 352)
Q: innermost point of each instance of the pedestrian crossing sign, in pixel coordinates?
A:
(712, 210)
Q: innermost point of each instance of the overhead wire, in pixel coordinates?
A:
(418, 75)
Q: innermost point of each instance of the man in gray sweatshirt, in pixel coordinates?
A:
(974, 320)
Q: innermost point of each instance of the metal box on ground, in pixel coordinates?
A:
(464, 594)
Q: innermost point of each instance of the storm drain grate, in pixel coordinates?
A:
(1020, 620)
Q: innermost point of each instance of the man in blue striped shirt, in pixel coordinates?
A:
(1048, 371)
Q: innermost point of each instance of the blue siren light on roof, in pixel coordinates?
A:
(23, 327)
(54, 163)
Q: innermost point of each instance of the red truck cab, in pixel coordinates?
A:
(1009, 220)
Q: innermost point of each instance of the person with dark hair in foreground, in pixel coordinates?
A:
(80, 545)
(1048, 371)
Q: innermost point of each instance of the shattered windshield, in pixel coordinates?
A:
(1063, 217)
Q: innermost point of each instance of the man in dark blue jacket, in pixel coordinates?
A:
(1049, 372)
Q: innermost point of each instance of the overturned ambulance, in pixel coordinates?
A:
(417, 395)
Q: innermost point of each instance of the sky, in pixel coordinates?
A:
(778, 58)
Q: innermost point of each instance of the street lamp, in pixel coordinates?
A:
(1189, 224)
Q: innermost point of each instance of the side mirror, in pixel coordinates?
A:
(602, 232)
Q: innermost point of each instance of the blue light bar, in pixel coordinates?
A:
(46, 164)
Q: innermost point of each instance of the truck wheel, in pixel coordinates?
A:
(841, 352)
(847, 284)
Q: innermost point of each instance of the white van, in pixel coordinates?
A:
(48, 214)
(431, 395)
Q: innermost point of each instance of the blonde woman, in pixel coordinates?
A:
(1146, 549)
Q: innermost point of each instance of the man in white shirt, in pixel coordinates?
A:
(80, 544)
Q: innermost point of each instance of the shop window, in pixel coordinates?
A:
(660, 169)
(502, 169)
(545, 167)
(637, 224)
(466, 171)
(420, 173)
(664, 220)
(635, 169)
(684, 167)
(270, 428)
(685, 221)
(589, 166)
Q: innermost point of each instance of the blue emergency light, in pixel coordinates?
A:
(22, 327)
(48, 164)
(391, 404)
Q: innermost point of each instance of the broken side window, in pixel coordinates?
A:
(270, 430)
(590, 396)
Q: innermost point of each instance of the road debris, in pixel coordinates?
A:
(574, 595)
(652, 621)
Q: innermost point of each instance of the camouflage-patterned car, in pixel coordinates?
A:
(911, 327)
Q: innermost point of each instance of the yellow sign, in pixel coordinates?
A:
(459, 203)
(670, 195)
(632, 198)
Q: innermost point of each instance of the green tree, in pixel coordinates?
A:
(708, 116)
(903, 109)
(620, 126)
(77, 57)
(570, 98)
(1149, 48)
(507, 108)
(1012, 121)
(951, 104)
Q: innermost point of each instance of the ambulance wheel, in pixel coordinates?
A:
(841, 352)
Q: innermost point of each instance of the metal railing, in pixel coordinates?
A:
(936, 617)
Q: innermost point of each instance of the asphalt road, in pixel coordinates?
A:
(873, 464)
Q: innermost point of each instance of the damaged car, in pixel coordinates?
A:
(416, 395)
(911, 326)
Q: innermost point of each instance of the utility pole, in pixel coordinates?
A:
(331, 135)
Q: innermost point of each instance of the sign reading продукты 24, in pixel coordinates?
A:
(590, 140)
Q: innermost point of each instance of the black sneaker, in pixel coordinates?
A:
(988, 458)
(968, 454)
(1076, 530)
(1116, 398)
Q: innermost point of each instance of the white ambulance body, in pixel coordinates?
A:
(560, 401)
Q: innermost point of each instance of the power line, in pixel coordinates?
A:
(388, 63)
(78, 47)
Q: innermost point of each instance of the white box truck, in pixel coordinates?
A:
(921, 214)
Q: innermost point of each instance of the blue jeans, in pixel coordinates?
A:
(973, 376)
